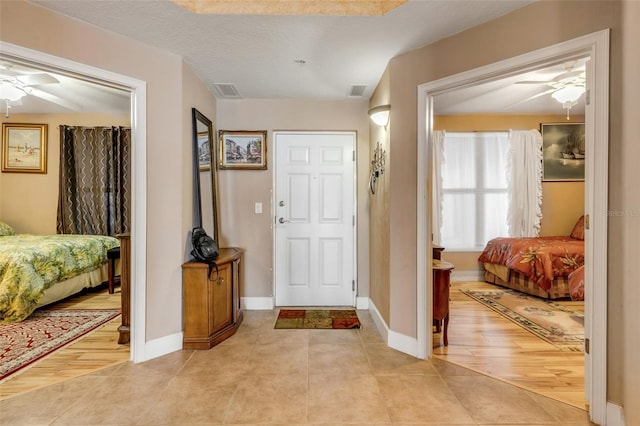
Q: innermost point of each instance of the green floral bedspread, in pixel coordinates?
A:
(29, 264)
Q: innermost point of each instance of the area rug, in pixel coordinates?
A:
(551, 321)
(317, 318)
(44, 332)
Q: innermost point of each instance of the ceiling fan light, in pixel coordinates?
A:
(10, 92)
(568, 94)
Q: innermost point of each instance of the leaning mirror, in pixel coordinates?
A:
(204, 175)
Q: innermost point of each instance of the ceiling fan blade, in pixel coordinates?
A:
(36, 79)
(546, 92)
(54, 99)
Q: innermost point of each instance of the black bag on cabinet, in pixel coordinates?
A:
(204, 248)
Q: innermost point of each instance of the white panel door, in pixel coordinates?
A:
(314, 219)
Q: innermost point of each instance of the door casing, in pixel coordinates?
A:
(596, 45)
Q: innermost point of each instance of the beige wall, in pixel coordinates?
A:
(29, 201)
(538, 25)
(624, 196)
(241, 189)
(562, 202)
(379, 209)
(168, 142)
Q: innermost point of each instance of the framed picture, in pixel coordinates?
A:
(204, 151)
(24, 148)
(242, 150)
(563, 151)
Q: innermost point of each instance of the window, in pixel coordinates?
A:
(474, 189)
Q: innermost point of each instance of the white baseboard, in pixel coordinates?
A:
(162, 346)
(378, 320)
(362, 303)
(395, 340)
(615, 415)
(467, 275)
(402, 343)
(257, 303)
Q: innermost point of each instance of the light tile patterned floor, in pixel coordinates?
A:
(288, 377)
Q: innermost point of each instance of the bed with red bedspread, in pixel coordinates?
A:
(537, 265)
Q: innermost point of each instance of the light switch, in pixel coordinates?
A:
(258, 208)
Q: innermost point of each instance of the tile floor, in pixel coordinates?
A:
(288, 377)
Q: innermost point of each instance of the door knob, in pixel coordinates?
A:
(283, 220)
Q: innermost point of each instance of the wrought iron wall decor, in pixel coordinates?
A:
(377, 166)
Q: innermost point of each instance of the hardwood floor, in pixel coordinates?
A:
(484, 341)
(97, 350)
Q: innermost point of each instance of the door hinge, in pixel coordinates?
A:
(353, 220)
(353, 285)
(586, 221)
(354, 155)
(586, 345)
(588, 97)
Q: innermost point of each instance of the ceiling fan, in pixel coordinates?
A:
(566, 88)
(14, 86)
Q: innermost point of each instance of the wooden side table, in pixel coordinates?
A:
(441, 282)
(125, 288)
(437, 252)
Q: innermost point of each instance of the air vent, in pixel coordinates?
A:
(357, 90)
(226, 90)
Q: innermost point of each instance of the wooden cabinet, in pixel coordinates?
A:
(441, 282)
(211, 300)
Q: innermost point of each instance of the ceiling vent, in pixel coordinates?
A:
(357, 90)
(226, 90)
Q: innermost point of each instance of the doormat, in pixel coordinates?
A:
(317, 318)
(551, 321)
(45, 332)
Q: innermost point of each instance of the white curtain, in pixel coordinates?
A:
(436, 185)
(471, 195)
(524, 176)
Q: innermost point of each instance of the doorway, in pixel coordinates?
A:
(315, 219)
(596, 46)
(137, 88)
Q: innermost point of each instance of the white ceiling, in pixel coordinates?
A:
(258, 54)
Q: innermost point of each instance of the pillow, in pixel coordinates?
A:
(6, 230)
(578, 229)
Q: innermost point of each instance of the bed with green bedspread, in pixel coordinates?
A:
(30, 264)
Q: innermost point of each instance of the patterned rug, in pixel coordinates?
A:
(551, 321)
(44, 332)
(317, 318)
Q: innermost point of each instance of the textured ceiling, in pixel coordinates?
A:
(304, 57)
(258, 54)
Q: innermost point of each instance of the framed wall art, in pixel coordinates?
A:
(242, 149)
(24, 147)
(563, 151)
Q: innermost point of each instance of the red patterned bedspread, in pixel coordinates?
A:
(541, 259)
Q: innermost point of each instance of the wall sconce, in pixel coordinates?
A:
(380, 115)
(377, 167)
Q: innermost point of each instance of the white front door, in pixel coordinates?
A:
(314, 219)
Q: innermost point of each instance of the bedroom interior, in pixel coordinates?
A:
(562, 205)
(73, 107)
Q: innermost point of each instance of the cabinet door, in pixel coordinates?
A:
(220, 302)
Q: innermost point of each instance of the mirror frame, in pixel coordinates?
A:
(200, 119)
